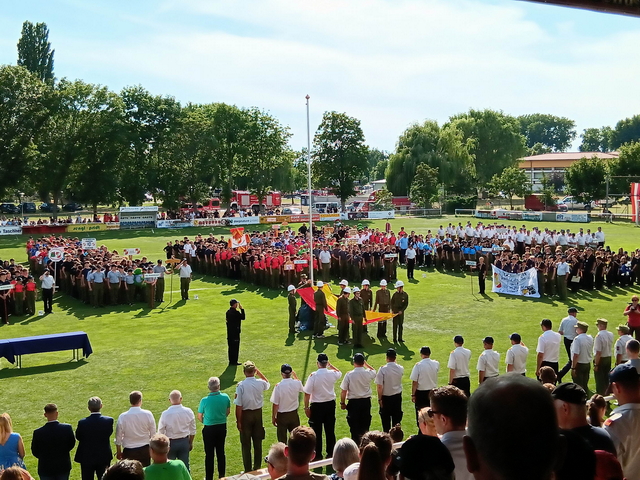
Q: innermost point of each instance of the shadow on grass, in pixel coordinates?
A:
(228, 377)
(27, 371)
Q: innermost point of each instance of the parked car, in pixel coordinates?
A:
(9, 208)
(46, 207)
(27, 207)
(573, 204)
(71, 207)
(291, 211)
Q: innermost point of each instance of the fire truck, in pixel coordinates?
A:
(242, 200)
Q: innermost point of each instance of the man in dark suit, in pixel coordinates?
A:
(51, 445)
(94, 452)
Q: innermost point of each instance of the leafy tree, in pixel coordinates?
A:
(539, 149)
(25, 107)
(384, 200)
(547, 192)
(496, 141)
(626, 165)
(378, 160)
(34, 51)
(378, 172)
(552, 132)
(512, 182)
(424, 188)
(340, 154)
(626, 131)
(596, 140)
(586, 179)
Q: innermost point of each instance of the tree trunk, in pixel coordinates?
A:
(343, 205)
(56, 200)
(511, 202)
(95, 209)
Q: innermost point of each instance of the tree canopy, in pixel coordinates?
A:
(585, 179)
(34, 51)
(545, 131)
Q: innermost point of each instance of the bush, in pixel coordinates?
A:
(459, 201)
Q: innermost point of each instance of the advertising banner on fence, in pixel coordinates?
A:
(303, 218)
(572, 217)
(174, 224)
(11, 230)
(523, 284)
(243, 220)
(86, 227)
(635, 201)
(275, 218)
(329, 217)
(380, 215)
(113, 225)
(209, 222)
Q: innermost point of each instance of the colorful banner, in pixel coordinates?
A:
(86, 227)
(113, 225)
(275, 218)
(635, 201)
(208, 222)
(239, 239)
(303, 218)
(523, 284)
(243, 220)
(174, 224)
(572, 217)
(11, 230)
(381, 215)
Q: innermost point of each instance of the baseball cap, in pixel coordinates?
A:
(458, 339)
(249, 365)
(286, 368)
(602, 321)
(423, 454)
(358, 358)
(233, 302)
(624, 329)
(346, 290)
(515, 337)
(425, 351)
(623, 372)
(320, 284)
(322, 358)
(399, 283)
(383, 283)
(290, 288)
(488, 340)
(365, 282)
(344, 282)
(572, 310)
(570, 393)
(583, 325)
(391, 353)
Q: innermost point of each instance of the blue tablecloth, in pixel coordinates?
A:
(45, 343)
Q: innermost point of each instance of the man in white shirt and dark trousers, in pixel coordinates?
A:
(581, 356)
(356, 388)
(320, 403)
(48, 288)
(548, 348)
(248, 402)
(285, 400)
(424, 378)
(178, 423)
(185, 279)
(389, 387)
(458, 366)
(488, 361)
(134, 430)
(602, 351)
(568, 331)
(517, 355)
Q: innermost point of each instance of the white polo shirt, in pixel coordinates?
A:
(517, 356)
(603, 343)
(325, 256)
(489, 363)
(549, 346)
(582, 346)
(621, 346)
(425, 372)
(568, 327)
(285, 395)
(320, 385)
(357, 383)
(459, 361)
(390, 377)
(249, 393)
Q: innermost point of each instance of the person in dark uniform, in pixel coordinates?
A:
(94, 449)
(235, 315)
(383, 303)
(320, 321)
(357, 314)
(293, 305)
(367, 299)
(52, 445)
(482, 274)
(399, 303)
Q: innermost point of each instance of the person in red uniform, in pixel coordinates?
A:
(633, 313)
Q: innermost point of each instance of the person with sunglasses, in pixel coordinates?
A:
(276, 461)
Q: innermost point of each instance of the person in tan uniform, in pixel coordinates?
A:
(383, 304)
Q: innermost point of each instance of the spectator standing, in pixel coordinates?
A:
(125, 470)
(632, 312)
(11, 444)
(633, 353)
(235, 315)
(624, 423)
(48, 289)
(293, 307)
(356, 388)
(548, 348)
(285, 400)
(602, 349)
(276, 461)
(517, 355)
(249, 401)
(389, 389)
(424, 378)
(568, 331)
(621, 344)
(458, 366)
(93, 433)
(162, 270)
(213, 412)
(162, 467)
(562, 275)
(186, 273)
(320, 403)
(488, 361)
(178, 423)
(582, 355)
(134, 429)
(51, 445)
(299, 452)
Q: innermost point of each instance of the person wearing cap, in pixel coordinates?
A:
(548, 348)
(488, 361)
(568, 330)
(383, 304)
(343, 284)
(319, 318)
(389, 389)
(320, 403)
(367, 298)
(458, 366)
(357, 315)
(342, 312)
(235, 315)
(423, 456)
(621, 344)
(624, 423)
(284, 414)
(424, 378)
(516, 358)
(248, 401)
(185, 278)
(602, 350)
(399, 303)
(581, 356)
(570, 401)
(293, 305)
(356, 388)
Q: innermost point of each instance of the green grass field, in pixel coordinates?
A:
(180, 345)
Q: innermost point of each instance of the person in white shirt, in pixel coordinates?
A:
(356, 388)
(602, 351)
(424, 378)
(488, 361)
(248, 401)
(599, 237)
(389, 388)
(48, 289)
(185, 278)
(325, 264)
(621, 344)
(548, 349)
(581, 356)
(517, 355)
(134, 430)
(284, 414)
(458, 366)
(568, 331)
(320, 403)
(178, 423)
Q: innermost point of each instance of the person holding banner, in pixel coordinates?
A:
(320, 321)
(399, 303)
(342, 312)
(383, 303)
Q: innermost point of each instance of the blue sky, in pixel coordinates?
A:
(387, 62)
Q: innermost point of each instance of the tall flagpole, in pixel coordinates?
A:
(310, 196)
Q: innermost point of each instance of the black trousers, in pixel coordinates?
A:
(87, 471)
(234, 349)
(553, 365)
(359, 417)
(214, 437)
(391, 411)
(422, 401)
(411, 263)
(323, 415)
(481, 283)
(140, 453)
(567, 367)
(464, 384)
(47, 298)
